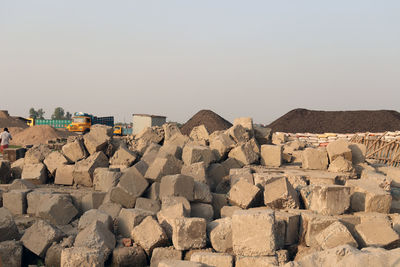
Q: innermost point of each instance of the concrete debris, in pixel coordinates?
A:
(82, 256)
(123, 158)
(213, 259)
(246, 153)
(164, 253)
(314, 159)
(280, 194)
(5, 172)
(15, 201)
(339, 148)
(244, 194)
(177, 185)
(53, 161)
(11, 253)
(195, 153)
(36, 154)
(74, 151)
(98, 138)
(35, 173)
(162, 166)
(149, 235)
(189, 233)
(196, 170)
(271, 155)
(220, 234)
(8, 228)
(129, 256)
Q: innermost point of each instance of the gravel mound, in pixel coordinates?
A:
(313, 121)
(212, 121)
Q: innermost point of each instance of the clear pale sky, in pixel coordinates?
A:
(173, 58)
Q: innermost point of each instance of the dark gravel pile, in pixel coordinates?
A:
(212, 121)
(312, 121)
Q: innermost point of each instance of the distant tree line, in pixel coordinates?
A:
(58, 114)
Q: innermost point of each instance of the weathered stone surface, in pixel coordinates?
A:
(194, 153)
(151, 153)
(326, 199)
(149, 235)
(98, 138)
(279, 138)
(104, 179)
(221, 144)
(177, 185)
(95, 215)
(97, 236)
(335, 235)
(220, 234)
(228, 211)
(35, 173)
(262, 134)
(84, 169)
(237, 174)
(358, 152)
(246, 153)
(374, 233)
(148, 204)
(130, 218)
(56, 208)
(215, 174)
(129, 257)
(253, 232)
(271, 155)
(16, 169)
(201, 193)
(167, 165)
(170, 149)
(202, 210)
(170, 129)
(91, 200)
(82, 256)
(123, 158)
(292, 222)
(65, 175)
(54, 160)
(178, 263)
(15, 201)
(314, 159)
(268, 261)
(218, 201)
(199, 133)
(20, 184)
(339, 164)
(164, 253)
(393, 174)
(189, 233)
(197, 171)
(8, 228)
(239, 133)
(10, 254)
(74, 151)
(311, 224)
(5, 172)
(213, 259)
(246, 122)
(39, 237)
(244, 194)
(112, 209)
(339, 148)
(280, 194)
(36, 154)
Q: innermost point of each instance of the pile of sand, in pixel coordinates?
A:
(38, 134)
(212, 121)
(7, 121)
(312, 121)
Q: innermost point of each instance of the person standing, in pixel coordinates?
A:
(5, 138)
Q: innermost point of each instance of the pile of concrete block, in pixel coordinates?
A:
(230, 198)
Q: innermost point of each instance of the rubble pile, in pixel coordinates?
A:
(237, 197)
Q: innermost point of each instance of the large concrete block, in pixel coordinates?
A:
(39, 237)
(196, 170)
(162, 166)
(374, 233)
(335, 235)
(201, 193)
(34, 199)
(246, 153)
(219, 233)
(8, 228)
(130, 218)
(56, 208)
(148, 204)
(280, 194)
(244, 194)
(189, 233)
(314, 159)
(74, 151)
(340, 164)
(170, 149)
(194, 153)
(326, 199)
(112, 209)
(262, 134)
(35, 173)
(123, 158)
(178, 263)
(267, 261)
(11, 254)
(199, 133)
(202, 210)
(164, 253)
(237, 174)
(104, 179)
(151, 152)
(228, 211)
(271, 155)
(15, 201)
(339, 148)
(98, 138)
(253, 232)
(292, 222)
(215, 174)
(149, 235)
(218, 202)
(311, 224)
(358, 152)
(5, 172)
(54, 160)
(20, 184)
(129, 257)
(221, 144)
(239, 133)
(16, 169)
(213, 259)
(246, 122)
(37, 154)
(82, 256)
(279, 138)
(64, 175)
(84, 169)
(177, 185)
(95, 215)
(170, 129)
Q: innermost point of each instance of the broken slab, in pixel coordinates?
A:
(314, 159)
(123, 158)
(16, 169)
(84, 169)
(148, 204)
(54, 160)
(199, 133)
(221, 144)
(374, 233)
(189, 233)
(271, 155)
(280, 194)
(95, 215)
(335, 235)
(8, 228)
(15, 201)
(11, 253)
(339, 148)
(196, 170)
(244, 194)
(130, 218)
(35, 173)
(65, 175)
(201, 193)
(228, 211)
(340, 164)
(177, 185)
(311, 224)
(219, 233)
(104, 179)
(237, 174)
(149, 235)
(246, 153)
(37, 154)
(74, 151)
(292, 222)
(56, 208)
(239, 133)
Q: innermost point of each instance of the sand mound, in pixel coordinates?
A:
(7, 121)
(212, 121)
(312, 121)
(38, 134)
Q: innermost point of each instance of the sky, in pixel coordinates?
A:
(256, 58)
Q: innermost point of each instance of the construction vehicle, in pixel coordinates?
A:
(81, 122)
(121, 130)
(53, 123)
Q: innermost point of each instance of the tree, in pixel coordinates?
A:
(36, 114)
(58, 114)
(40, 113)
(68, 116)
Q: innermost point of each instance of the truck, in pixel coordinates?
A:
(81, 122)
(52, 123)
(121, 130)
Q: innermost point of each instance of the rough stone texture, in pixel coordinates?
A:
(245, 153)
(16, 168)
(91, 200)
(170, 129)
(367, 196)
(194, 153)
(189, 233)
(164, 253)
(244, 194)
(197, 171)
(213, 259)
(171, 202)
(202, 210)
(279, 138)
(381, 180)
(10, 254)
(56, 208)
(15, 201)
(74, 151)
(39, 237)
(104, 179)
(311, 224)
(98, 138)
(228, 211)
(112, 209)
(64, 175)
(220, 234)
(162, 166)
(201, 193)
(221, 144)
(178, 263)
(216, 173)
(253, 233)
(374, 233)
(148, 204)
(177, 185)
(393, 173)
(84, 169)
(271, 155)
(129, 257)
(292, 222)
(35, 173)
(314, 159)
(36, 154)
(149, 235)
(167, 216)
(95, 215)
(335, 235)
(170, 149)
(326, 199)
(199, 133)
(262, 134)
(237, 174)
(8, 228)
(280, 194)
(340, 164)
(34, 200)
(96, 236)
(358, 152)
(218, 201)
(82, 256)
(54, 160)
(151, 153)
(256, 261)
(339, 148)
(238, 133)
(5, 172)
(123, 158)
(129, 219)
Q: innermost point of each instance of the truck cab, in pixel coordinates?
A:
(81, 122)
(118, 130)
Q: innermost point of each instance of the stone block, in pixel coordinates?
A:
(104, 179)
(195, 153)
(340, 164)
(130, 218)
(279, 138)
(84, 169)
(246, 122)
(197, 171)
(164, 253)
(112, 209)
(13, 154)
(170, 129)
(177, 185)
(82, 256)
(170, 149)
(56, 208)
(20, 184)
(253, 232)
(199, 133)
(5, 172)
(11, 254)
(292, 222)
(153, 191)
(228, 211)
(98, 138)
(239, 133)
(167, 202)
(189, 233)
(326, 199)
(215, 174)
(39, 237)
(219, 233)
(202, 210)
(148, 204)
(163, 166)
(269, 261)
(178, 263)
(311, 224)
(34, 199)
(95, 215)
(262, 134)
(314, 159)
(15, 201)
(374, 233)
(339, 148)
(37, 154)
(221, 144)
(151, 153)
(393, 174)
(123, 158)
(246, 153)
(54, 160)
(90, 200)
(358, 152)
(74, 151)
(129, 257)
(335, 235)
(8, 228)
(64, 175)
(240, 174)
(213, 259)
(231, 163)
(244, 194)
(149, 235)
(201, 193)
(16, 168)
(271, 155)
(218, 202)
(35, 173)
(280, 194)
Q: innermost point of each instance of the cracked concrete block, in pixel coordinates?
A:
(74, 151)
(82, 256)
(149, 235)
(162, 166)
(15, 201)
(56, 208)
(280, 194)
(130, 218)
(196, 170)
(54, 160)
(339, 148)
(95, 215)
(314, 159)
(246, 153)
(35, 173)
(244, 194)
(195, 153)
(98, 138)
(129, 256)
(219, 233)
(84, 169)
(189, 233)
(104, 179)
(177, 185)
(123, 158)
(64, 175)
(335, 235)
